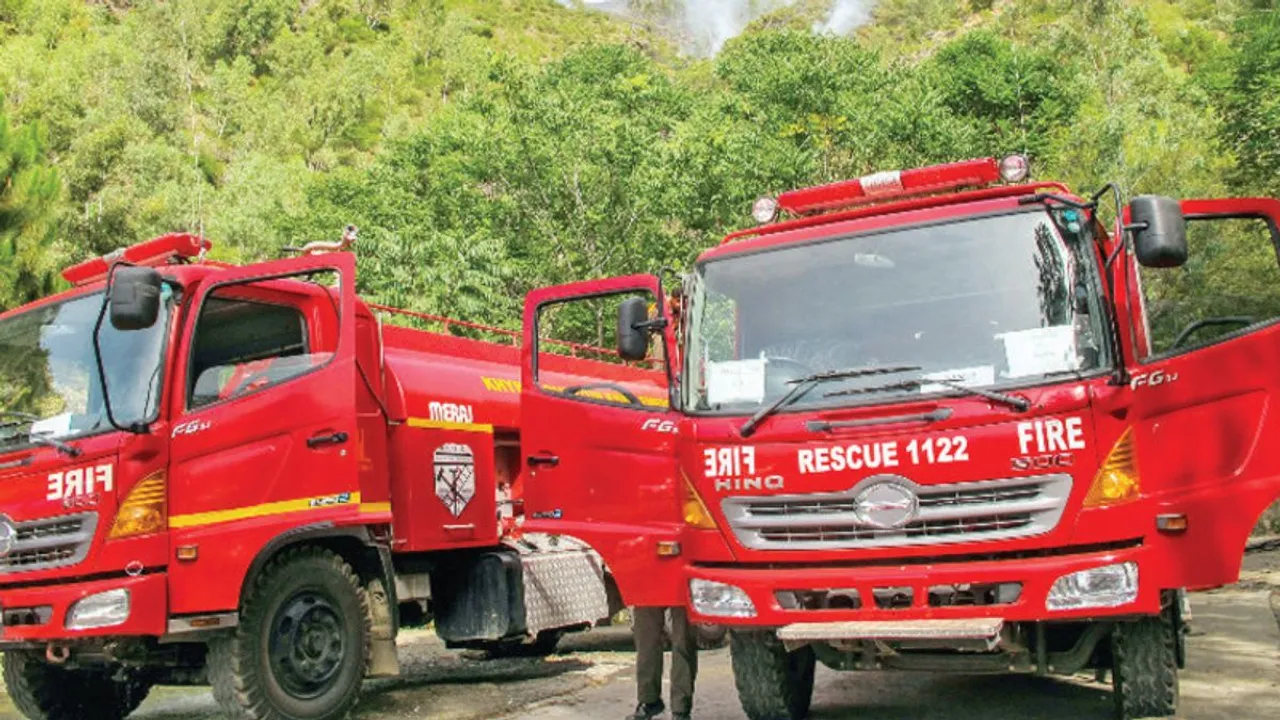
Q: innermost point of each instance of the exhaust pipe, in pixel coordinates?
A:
(57, 654)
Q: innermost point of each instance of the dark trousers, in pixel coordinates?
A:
(647, 626)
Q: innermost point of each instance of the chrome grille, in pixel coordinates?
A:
(960, 512)
(49, 543)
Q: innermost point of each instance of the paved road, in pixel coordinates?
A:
(1233, 672)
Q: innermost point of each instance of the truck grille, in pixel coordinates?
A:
(961, 512)
(48, 543)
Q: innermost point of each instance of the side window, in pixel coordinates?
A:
(1230, 283)
(255, 335)
(577, 354)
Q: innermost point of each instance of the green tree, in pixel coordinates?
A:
(29, 190)
(1252, 107)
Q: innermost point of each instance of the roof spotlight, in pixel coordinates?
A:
(1015, 168)
(764, 209)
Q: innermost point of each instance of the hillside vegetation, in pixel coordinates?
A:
(488, 146)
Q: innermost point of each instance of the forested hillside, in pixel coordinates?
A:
(488, 146)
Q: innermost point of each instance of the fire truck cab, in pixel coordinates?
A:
(939, 419)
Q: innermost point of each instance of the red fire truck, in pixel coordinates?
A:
(939, 419)
(241, 476)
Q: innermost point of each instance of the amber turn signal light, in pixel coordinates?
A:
(1117, 479)
(695, 511)
(144, 510)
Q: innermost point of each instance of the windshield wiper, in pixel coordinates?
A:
(1017, 403)
(58, 445)
(802, 385)
(36, 438)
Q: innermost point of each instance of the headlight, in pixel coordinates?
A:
(1106, 586)
(105, 609)
(720, 600)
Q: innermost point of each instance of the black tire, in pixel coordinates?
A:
(310, 602)
(42, 691)
(773, 684)
(711, 637)
(1144, 667)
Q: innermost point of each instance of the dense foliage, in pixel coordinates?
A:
(28, 193)
(488, 146)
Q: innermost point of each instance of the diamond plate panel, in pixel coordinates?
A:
(563, 584)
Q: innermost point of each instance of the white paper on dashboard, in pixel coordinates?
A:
(735, 381)
(969, 377)
(1040, 350)
(54, 427)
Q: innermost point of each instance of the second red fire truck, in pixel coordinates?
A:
(939, 419)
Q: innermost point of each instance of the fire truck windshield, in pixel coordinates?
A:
(991, 301)
(49, 383)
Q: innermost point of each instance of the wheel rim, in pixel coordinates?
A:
(307, 646)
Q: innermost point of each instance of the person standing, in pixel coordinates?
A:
(647, 628)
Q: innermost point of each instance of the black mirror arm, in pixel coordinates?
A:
(650, 325)
(136, 428)
(1060, 199)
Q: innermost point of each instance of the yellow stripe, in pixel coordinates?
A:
(255, 511)
(446, 425)
(380, 507)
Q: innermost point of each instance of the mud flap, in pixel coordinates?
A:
(383, 661)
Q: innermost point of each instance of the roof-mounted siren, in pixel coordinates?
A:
(897, 184)
(164, 250)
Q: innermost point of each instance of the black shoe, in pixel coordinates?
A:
(679, 716)
(648, 711)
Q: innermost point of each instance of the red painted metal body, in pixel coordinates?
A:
(1201, 447)
(243, 473)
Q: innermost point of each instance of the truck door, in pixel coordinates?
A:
(599, 437)
(1207, 387)
(264, 402)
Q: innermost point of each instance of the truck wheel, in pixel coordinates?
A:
(302, 647)
(711, 637)
(47, 692)
(773, 684)
(1144, 668)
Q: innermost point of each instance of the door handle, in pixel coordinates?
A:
(336, 438)
(543, 460)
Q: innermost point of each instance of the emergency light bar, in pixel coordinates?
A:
(903, 183)
(160, 251)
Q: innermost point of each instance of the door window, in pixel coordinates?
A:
(250, 336)
(577, 357)
(1229, 286)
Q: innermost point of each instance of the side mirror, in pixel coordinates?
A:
(633, 329)
(1160, 233)
(135, 298)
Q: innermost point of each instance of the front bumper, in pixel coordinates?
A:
(915, 587)
(39, 614)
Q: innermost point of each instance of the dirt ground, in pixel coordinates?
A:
(1233, 673)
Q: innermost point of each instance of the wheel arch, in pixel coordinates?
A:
(357, 545)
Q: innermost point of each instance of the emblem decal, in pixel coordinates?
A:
(8, 534)
(887, 504)
(455, 472)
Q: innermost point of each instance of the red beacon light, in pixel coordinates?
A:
(163, 250)
(895, 184)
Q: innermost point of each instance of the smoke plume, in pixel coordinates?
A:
(703, 26)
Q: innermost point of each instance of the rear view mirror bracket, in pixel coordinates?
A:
(634, 327)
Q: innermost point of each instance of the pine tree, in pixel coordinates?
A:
(29, 191)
